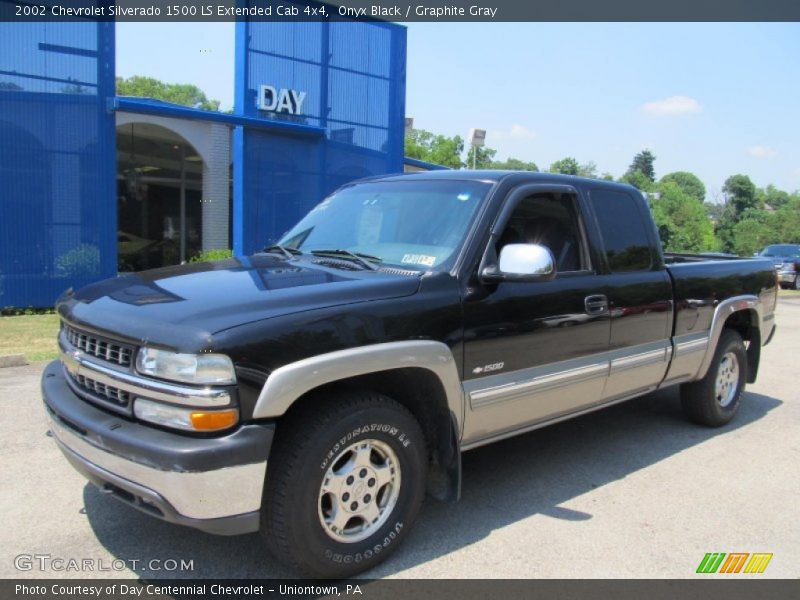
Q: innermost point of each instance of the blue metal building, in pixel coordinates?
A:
(92, 184)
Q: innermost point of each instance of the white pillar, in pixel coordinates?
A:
(216, 198)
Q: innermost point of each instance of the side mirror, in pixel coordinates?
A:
(522, 262)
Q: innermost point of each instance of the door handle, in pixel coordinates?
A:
(596, 304)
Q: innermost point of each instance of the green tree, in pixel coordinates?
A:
(607, 176)
(787, 221)
(740, 192)
(740, 202)
(565, 166)
(436, 149)
(751, 235)
(513, 164)
(643, 163)
(682, 221)
(483, 158)
(755, 228)
(754, 218)
(638, 180)
(689, 184)
(772, 197)
(570, 166)
(714, 210)
(725, 226)
(185, 94)
(588, 169)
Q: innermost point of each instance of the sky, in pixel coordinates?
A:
(712, 98)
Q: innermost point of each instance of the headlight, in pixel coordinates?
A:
(189, 419)
(188, 368)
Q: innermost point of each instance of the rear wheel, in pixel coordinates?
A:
(344, 483)
(714, 400)
(797, 282)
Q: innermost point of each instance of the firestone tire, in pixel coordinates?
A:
(714, 400)
(345, 481)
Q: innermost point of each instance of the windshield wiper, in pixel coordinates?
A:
(287, 252)
(365, 260)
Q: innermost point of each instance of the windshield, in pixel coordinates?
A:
(782, 250)
(418, 224)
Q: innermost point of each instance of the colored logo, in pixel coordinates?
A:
(735, 562)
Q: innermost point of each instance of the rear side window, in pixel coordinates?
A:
(623, 229)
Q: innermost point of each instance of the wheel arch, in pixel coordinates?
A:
(746, 323)
(744, 315)
(420, 375)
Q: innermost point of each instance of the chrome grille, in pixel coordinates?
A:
(103, 349)
(101, 391)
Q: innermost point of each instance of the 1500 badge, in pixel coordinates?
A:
(489, 368)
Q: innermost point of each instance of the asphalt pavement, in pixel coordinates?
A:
(632, 491)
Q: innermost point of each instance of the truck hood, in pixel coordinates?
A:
(189, 303)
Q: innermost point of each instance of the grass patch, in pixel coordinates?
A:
(31, 335)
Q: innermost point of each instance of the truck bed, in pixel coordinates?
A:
(701, 282)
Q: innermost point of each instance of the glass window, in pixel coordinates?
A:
(623, 229)
(782, 251)
(549, 220)
(417, 224)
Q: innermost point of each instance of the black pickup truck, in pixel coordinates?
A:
(318, 390)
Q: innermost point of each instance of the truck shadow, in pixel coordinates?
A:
(503, 483)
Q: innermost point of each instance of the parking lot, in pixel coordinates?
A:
(630, 491)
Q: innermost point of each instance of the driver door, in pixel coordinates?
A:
(534, 351)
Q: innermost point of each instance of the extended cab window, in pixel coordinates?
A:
(549, 220)
(623, 230)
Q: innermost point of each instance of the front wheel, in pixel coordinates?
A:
(714, 400)
(345, 481)
(797, 282)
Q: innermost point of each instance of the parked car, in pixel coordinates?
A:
(404, 320)
(786, 258)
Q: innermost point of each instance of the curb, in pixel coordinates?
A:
(12, 360)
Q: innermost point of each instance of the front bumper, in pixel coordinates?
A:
(787, 276)
(214, 484)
